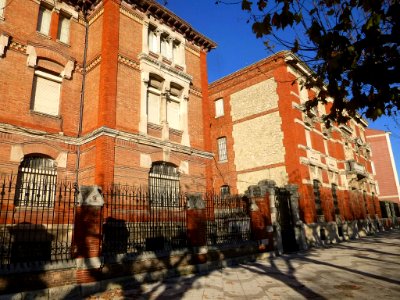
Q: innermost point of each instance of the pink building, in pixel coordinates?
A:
(385, 169)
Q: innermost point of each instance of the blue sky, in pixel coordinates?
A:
(238, 47)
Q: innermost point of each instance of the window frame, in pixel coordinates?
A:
(39, 178)
(164, 185)
(63, 16)
(39, 25)
(317, 197)
(51, 78)
(219, 108)
(222, 149)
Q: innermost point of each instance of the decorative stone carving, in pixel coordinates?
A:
(90, 196)
(32, 56)
(4, 39)
(67, 72)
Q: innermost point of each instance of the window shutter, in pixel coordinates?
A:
(153, 108)
(173, 112)
(164, 46)
(46, 96)
(153, 41)
(63, 30)
(44, 20)
(219, 108)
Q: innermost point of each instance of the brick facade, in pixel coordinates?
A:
(109, 82)
(271, 136)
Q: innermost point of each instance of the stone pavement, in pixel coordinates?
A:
(368, 268)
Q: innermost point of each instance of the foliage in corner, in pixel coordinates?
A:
(352, 46)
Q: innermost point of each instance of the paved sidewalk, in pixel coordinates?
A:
(368, 268)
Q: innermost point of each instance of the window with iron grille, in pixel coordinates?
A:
(36, 183)
(335, 199)
(225, 190)
(317, 196)
(164, 185)
(222, 154)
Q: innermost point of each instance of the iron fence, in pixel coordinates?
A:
(32, 231)
(135, 221)
(228, 220)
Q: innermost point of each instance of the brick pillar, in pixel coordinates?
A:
(55, 18)
(196, 227)
(87, 237)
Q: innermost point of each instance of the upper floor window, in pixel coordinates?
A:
(153, 40)
(36, 182)
(63, 29)
(154, 100)
(44, 19)
(222, 152)
(219, 107)
(173, 106)
(46, 93)
(2, 7)
(176, 56)
(166, 48)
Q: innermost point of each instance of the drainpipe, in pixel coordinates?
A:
(82, 100)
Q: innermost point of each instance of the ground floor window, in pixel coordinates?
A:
(36, 182)
(164, 184)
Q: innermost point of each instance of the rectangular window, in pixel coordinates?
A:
(44, 19)
(46, 93)
(2, 7)
(153, 45)
(63, 29)
(222, 153)
(225, 190)
(173, 114)
(166, 50)
(176, 52)
(153, 108)
(317, 197)
(219, 108)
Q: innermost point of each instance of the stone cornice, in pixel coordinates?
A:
(131, 63)
(104, 131)
(165, 67)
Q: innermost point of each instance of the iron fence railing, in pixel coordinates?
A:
(34, 232)
(134, 221)
(228, 220)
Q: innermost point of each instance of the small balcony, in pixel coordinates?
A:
(354, 167)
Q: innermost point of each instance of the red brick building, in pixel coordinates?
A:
(261, 130)
(385, 171)
(102, 95)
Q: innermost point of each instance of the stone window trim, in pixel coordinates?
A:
(4, 42)
(3, 5)
(163, 44)
(172, 90)
(69, 65)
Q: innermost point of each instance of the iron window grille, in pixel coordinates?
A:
(222, 153)
(36, 182)
(317, 197)
(225, 191)
(164, 185)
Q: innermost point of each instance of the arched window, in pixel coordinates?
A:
(164, 184)
(36, 182)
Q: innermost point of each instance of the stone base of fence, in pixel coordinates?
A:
(74, 281)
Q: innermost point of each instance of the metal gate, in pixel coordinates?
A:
(228, 220)
(285, 220)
